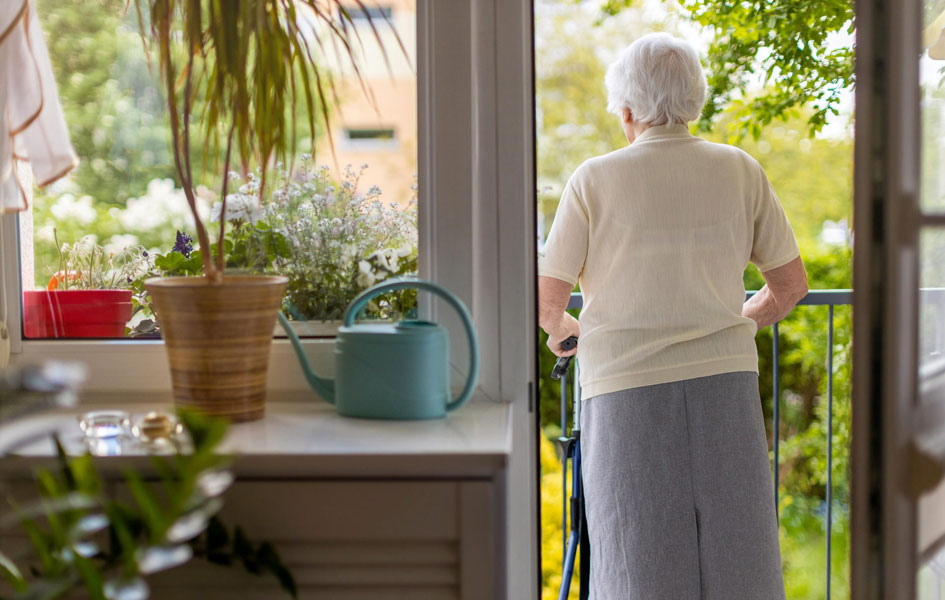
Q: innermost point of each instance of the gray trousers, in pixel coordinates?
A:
(680, 502)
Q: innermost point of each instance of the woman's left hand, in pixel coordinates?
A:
(567, 327)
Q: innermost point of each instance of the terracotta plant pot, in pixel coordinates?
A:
(218, 339)
(76, 313)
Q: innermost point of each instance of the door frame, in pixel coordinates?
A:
(890, 464)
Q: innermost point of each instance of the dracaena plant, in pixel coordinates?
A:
(252, 66)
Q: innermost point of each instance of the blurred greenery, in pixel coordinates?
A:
(112, 102)
(86, 537)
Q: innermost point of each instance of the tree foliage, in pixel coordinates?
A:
(112, 103)
(769, 59)
(572, 51)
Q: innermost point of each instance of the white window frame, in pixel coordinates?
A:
(477, 223)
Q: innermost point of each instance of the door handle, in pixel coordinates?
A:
(925, 451)
(926, 467)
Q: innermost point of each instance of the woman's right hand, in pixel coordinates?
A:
(568, 326)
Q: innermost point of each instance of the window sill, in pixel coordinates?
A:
(303, 437)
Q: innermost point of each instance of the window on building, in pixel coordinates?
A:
(369, 13)
(932, 193)
(354, 134)
(370, 139)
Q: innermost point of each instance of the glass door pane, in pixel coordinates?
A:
(931, 299)
(932, 238)
(932, 81)
(931, 335)
(931, 583)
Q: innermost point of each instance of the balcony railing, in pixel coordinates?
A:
(828, 298)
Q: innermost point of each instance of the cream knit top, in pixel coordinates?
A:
(659, 234)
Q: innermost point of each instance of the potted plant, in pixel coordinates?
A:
(89, 295)
(248, 66)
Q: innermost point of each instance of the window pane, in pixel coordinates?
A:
(334, 223)
(932, 240)
(932, 297)
(932, 77)
(931, 579)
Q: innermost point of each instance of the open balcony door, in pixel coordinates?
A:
(898, 456)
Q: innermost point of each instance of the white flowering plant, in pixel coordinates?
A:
(341, 241)
(149, 220)
(85, 265)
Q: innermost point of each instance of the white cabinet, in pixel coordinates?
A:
(358, 509)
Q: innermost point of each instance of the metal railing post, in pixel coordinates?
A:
(829, 441)
(776, 417)
(939, 345)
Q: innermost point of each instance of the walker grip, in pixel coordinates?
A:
(561, 367)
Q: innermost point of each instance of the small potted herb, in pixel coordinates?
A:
(88, 296)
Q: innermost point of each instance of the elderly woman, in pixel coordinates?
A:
(675, 458)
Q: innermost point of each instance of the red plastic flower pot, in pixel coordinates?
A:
(76, 313)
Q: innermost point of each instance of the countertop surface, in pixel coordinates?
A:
(300, 438)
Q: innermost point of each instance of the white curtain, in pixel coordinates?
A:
(32, 128)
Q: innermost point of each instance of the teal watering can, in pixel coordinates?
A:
(392, 370)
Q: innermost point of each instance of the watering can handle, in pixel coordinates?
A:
(408, 283)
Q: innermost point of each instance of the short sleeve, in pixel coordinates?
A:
(565, 250)
(773, 244)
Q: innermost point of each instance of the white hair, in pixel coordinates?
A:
(659, 78)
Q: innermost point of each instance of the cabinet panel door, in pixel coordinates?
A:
(367, 540)
(347, 510)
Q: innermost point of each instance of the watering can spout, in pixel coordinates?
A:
(322, 386)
